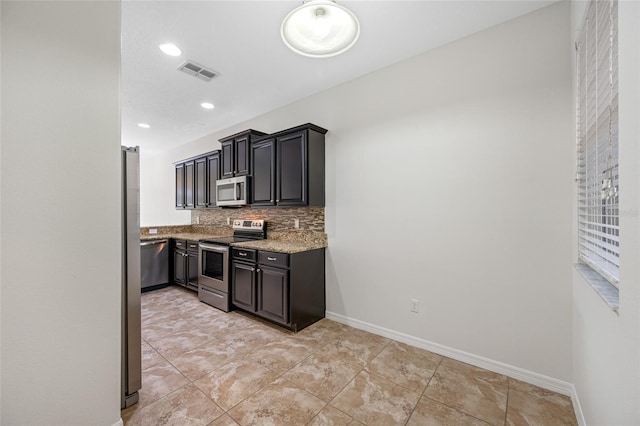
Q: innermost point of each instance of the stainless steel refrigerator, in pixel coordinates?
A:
(131, 332)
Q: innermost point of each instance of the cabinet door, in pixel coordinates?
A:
(273, 294)
(201, 183)
(213, 164)
(227, 160)
(263, 155)
(189, 184)
(243, 156)
(180, 186)
(192, 271)
(179, 267)
(243, 286)
(291, 154)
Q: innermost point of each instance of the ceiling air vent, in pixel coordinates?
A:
(198, 71)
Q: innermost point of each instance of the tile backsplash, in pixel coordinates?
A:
(277, 218)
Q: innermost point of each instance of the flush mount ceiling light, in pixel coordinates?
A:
(320, 29)
(171, 49)
(207, 105)
(144, 125)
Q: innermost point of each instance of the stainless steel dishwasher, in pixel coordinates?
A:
(154, 264)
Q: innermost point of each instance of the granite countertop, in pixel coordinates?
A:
(281, 246)
(282, 242)
(192, 236)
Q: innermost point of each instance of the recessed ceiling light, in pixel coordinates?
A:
(207, 105)
(144, 125)
(171, 49)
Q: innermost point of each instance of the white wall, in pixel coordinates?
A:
(606, 345)
(465, 141)
(449, 180)
(60, 213)
(157, 192)
(157, 179)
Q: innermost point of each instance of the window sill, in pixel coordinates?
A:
(607, 291)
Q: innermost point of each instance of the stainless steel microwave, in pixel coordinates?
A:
(233, 191)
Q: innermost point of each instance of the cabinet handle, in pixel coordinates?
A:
(277, 201)
(273, 259)
(258, 270)
(253, 270)
(242, 254)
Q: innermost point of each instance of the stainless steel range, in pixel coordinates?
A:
(214, 280)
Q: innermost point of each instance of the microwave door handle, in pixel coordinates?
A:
(237, 191)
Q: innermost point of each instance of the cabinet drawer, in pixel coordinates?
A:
(181, 244)
(273, 259)
(244, 254)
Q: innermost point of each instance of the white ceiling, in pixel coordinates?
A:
(258, 73)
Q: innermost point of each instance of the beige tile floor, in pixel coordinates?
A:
(202, 366)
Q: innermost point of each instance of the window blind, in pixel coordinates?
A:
(597, 140)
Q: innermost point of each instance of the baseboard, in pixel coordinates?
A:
(119, 423)
(577, 408)
(521, 374)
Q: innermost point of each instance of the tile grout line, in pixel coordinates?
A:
(424, 390)
(316, 350)
(259, 389)
(446, 404)
(340, 391)
(506, 405)
(313, 352)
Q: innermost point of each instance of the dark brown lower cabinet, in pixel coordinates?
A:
(185, 264)
(243, 288)
(179, 267)
(287, 289)
(192, 270)
(273, 294)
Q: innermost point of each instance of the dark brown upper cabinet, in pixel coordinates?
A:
(213, 174)
(189, 184)
(235, 153)
(263, 158)
(201, 183)
(180, 186)
(288, 168)
(196, 181)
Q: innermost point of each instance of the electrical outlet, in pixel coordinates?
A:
(296, 223)
(415, 305)
(228, 221)
(197, 220)
(153, 231)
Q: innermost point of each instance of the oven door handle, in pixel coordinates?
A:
(209, 247)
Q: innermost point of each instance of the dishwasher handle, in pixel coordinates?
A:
(151, 243)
